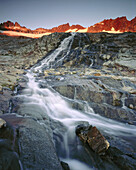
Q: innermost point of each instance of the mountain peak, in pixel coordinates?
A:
(17, 24)
(118, 25)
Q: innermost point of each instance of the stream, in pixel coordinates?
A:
(58, 109)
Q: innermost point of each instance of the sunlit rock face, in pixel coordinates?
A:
(14, 27)
(118, 25)
(11, 29)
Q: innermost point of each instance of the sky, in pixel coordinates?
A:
(50, 13)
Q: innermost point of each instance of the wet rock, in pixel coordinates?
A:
(104, 91)
(65, 166)
(33, 143)
(117, 156)
(35, 138)
(93, 137)
(100, 89)
(67, 90)
(113, 112)
(121, 160)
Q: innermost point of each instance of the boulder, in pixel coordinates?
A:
(92, 136)
(37, 148)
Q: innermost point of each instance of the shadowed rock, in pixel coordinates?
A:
(32, 142)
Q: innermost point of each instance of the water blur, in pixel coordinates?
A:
(58, 109)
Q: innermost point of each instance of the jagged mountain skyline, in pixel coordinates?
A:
(118, 25)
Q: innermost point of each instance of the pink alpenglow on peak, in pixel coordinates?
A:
(118, 25)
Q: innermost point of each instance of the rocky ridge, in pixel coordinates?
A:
(10, 26)
(118, 25)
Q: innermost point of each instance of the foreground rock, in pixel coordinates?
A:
(102, 154)
(9, 158)
(31, 141)
(93, 138)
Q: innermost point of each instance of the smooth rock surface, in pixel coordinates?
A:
(36, 149)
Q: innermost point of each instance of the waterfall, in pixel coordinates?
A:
(59, 110)
(64, 46)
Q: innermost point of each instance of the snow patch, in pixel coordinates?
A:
(72, 30)
(76, 30)
(83, 30)
(112, 31)
(16, 27)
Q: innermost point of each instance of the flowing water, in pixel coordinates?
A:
(58, 109)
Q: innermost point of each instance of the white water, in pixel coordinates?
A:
(65, 45)
(58, 109)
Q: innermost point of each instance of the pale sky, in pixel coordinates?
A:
(50, 13)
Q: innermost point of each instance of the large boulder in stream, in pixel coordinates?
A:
(105, 156)
(92, 136)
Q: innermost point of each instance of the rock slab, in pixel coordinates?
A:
(33, 145)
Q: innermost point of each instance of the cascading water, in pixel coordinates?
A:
(64, 46)
(51, 103)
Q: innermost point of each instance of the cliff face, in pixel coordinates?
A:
(118, 25)
(14, 27)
